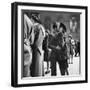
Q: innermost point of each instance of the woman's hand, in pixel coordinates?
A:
(58, 48)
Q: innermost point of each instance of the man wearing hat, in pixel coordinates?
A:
(70, 49)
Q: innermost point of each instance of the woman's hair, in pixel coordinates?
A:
(54, 25)
(63, 26)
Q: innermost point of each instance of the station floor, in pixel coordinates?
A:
(73, 69)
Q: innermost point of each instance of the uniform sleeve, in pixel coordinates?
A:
(39, 36)
(27, 26)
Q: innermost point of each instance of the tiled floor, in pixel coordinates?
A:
(74, 69)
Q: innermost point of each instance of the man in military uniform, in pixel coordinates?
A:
(52, 45)
(58, 53)
(37, 68)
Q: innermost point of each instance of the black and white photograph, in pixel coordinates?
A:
(51, 44)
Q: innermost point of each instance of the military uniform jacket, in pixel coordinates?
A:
(58, 53)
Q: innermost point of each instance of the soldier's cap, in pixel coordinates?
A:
(70, 35)
(36, 17)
